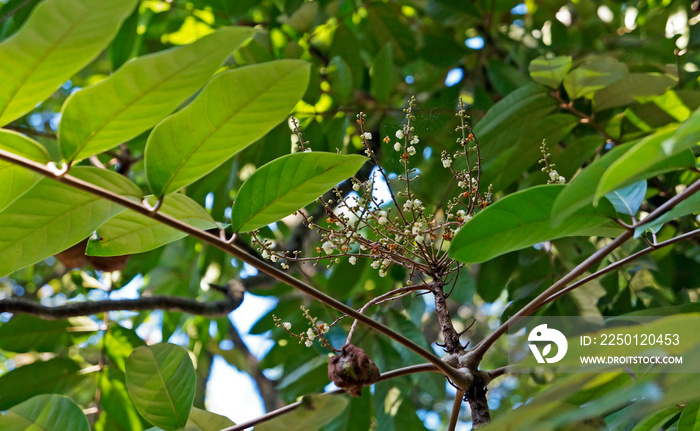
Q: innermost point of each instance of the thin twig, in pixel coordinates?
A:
(456, 407)
(539, 301)
(422, 368)
(232, 249)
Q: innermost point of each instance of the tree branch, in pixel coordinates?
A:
(479, 351)
(168, 303)
(422, 368)
(233, 250)
(456, 407)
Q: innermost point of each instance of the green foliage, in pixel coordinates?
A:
(161, 382)
(194, 141)
(168, 98)
(287, 184)
(523, 219)
(46, 412)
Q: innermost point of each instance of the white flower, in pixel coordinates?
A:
(265, 254)
(367, 135)
(375, 264)
(397, 147)
(287, 325)
(274, 258)
(309, 343)
(419, 239)
(554, 176)
(386, 262)
(383, 220)
(562, 180)
(307, 150)
(323, 327)
(411, 151)
(407, 206)
(311, 334)
(697, 219)
(446, 162)
(356, 187)
(415, 140)
(461, 213)
(417, 204)
(352, 260)
(462, 184)
(416, 228)
(399, 134)
(382, 273)
(328, 247)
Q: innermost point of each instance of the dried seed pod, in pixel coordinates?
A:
(352, 370)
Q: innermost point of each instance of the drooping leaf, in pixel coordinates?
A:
(24, 333)
(593, 76)
(46, 413)
(131, 232)
(234, 110)
(627, 200)
(688, 206)
(314, 412)
(57, 375)
(161, 383)
(382, 74)
(521, 220)
(690, 417)
(17, 180)
(52, 217)
(202, 420)
(118, 412)
(581, 191)
(641, 161)
(40, 57)
(549, 71)
(287, 184)
(630, 89)
(140, 94)
(340, 79)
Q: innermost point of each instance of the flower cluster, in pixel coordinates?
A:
(548, 168)
(405, 231)
(316, 329)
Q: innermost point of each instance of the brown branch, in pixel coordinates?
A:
(86, 308)
(422, 368)
(233, 250)
(456, 407)
(479, 351)
(622, 262)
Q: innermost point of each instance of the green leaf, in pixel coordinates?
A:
(581, 191)
(45, 413)
(40, 57)
(688, 206)
(643, 159)
(202, 420)
(287, 184)
(131, 232)
(234, 110)
(118, 412)
(690, 417)
(52, 217)
(340, 79)
(57, 375)
(17, 180)
(549, 71)
(24, 333)
(656, 420)
(521, 220)
(314, 412)
(593, 76)
(630, 89)
(161, 382)
(140, 94)
(627, 200)
(382, 74)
